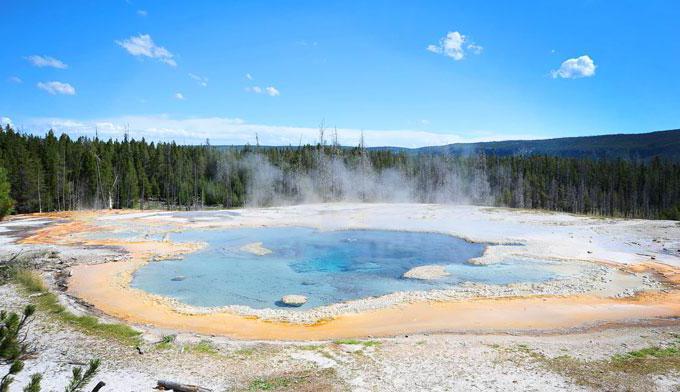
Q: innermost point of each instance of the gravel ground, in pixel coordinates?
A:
(404, 363)
(445, 362)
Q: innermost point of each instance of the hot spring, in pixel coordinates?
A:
(257, 266)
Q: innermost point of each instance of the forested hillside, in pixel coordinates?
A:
(665, 144)
(57, 173)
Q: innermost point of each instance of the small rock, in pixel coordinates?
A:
(178, 278)
(426, 272)
(294, 300)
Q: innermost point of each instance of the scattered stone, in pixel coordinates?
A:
(426, 272)
(293, 300)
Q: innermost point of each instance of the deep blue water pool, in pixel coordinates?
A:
(327, 267)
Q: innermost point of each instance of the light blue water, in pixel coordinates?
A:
(327, 267)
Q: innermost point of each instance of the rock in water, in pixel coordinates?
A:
(178, 278)
(255, 248)
(294, 300)
(427, 272)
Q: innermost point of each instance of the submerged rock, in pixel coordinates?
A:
(293, 300)
(427, 272)
(255, 248)
(178, 278)
(480, 261)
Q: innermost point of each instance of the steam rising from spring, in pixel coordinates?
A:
(332, 177)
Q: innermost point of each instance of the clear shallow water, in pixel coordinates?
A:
(327, 267)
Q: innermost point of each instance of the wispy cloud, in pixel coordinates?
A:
(203, 81)
(143, 45)
(579, 67)
(15, 79)
(179, 96)
(476, 49)
(453, 45)
(222, 130)
(56, 88)
(142, 13)
(46, 61)
(271, 90)
(249, 76)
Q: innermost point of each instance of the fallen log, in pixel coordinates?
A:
(99, 386)
(164, 385)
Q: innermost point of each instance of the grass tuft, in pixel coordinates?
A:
(31, 281)
(365, 343)
(166, 342)
(202, 347)
(648, 352)
(323, 380)
(245, 352)
(269, 383)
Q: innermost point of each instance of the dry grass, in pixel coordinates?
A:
(305, 381)
(632, 371)
(49, 303)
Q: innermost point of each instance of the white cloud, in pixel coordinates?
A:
(272, 91)
(142, 13)
(143, 45)
(199, 79)
(46, 61)
(4, 121)
(55, 88)
(15, 79)
(249, 76)
(476, 49)
(227, 131)
(179, 96)
(580, 67)
(453, 45)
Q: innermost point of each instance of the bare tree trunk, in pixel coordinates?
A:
(177, 387)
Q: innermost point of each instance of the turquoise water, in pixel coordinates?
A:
(327, 267)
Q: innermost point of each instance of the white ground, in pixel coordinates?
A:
(413, 363)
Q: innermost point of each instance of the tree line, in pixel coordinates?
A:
(53, 173)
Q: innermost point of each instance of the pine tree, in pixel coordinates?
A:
(6, 201)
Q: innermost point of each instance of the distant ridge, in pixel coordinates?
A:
(665, 144)
(643, 146)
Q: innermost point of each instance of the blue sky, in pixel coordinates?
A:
(406, 73)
